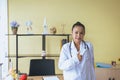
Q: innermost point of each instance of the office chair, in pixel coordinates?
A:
(40, 67)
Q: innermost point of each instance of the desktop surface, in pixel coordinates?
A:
(41, 77)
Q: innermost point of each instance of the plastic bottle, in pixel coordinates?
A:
(10, 64)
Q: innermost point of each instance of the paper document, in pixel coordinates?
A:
(50, 78)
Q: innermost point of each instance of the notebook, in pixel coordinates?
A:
(50, 78)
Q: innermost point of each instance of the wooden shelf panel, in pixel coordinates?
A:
(40, 34)
(33, 55)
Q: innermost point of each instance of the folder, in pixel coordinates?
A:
(50, 78)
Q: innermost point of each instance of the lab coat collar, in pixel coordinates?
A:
(82, 47)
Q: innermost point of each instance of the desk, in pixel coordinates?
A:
(41, 77)
(107, 73)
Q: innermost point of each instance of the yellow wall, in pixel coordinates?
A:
(101, 18)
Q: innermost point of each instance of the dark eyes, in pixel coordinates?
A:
(79, 33)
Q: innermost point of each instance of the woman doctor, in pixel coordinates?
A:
(76, 57)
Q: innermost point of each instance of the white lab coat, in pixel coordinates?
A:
(73, 69)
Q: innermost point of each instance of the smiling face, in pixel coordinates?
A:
(78, 34)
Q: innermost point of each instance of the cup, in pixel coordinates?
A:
(23, 76)
(113, 63)
(43, 53)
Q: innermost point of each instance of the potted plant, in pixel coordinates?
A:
(14, 26)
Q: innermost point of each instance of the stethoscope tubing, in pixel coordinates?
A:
(86, 46)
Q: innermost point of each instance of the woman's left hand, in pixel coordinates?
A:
(79, 57)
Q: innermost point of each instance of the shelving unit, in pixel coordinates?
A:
(43, 44)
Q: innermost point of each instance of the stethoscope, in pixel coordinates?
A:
(86, 47)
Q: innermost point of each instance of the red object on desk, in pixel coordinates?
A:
(23, 77)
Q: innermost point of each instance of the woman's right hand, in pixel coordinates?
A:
(79, 57)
